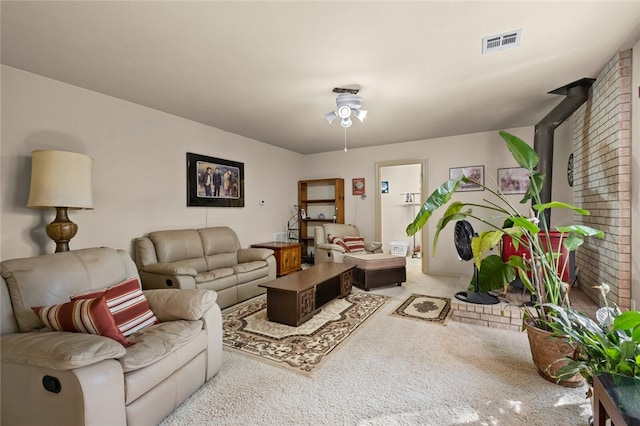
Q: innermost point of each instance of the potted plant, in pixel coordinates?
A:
(610, 344)
(539, 265)
(608, 348)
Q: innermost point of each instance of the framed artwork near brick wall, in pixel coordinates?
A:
(475, 173)
(513, 180)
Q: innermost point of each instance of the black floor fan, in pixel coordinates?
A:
(462, 236)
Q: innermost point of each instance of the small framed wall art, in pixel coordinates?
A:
(357, 186)
(513, 180)
(214, 182)
(475, 173)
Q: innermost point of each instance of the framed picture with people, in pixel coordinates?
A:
(214, 182)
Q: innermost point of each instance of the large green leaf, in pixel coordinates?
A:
(452, 213)
(587, 231)
(524, 277)
(560, 205)
(572, 242)
(437, 199)
(517, 262)
(494, 274)
(536, 180)
(484, 242)
(627, 321)
(524, 155)
(525, 224)
(628, 349)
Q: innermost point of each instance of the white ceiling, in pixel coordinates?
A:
(265, 69)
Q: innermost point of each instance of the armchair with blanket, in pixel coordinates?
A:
(346, 239)
(81, 358)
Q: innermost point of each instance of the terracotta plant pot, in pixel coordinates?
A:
(546, 349)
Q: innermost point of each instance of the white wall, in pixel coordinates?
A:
(486, 149)
(139, 169)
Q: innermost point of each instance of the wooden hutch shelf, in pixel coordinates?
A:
(315, 197)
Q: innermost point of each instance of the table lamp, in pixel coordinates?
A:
(61, 180)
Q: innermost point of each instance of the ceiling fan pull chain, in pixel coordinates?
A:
(345, 139)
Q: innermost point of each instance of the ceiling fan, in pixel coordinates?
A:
(462, 235)
(348, 103)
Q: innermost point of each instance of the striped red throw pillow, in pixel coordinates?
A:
(349, 244)
(90, 316)
(129, 307)
(339, 241)
(354, 244)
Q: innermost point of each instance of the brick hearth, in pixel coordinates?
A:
(507, 314)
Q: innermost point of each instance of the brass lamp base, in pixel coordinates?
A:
(61, 230)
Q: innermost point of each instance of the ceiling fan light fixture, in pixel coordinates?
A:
(360, 114)
(344, 111)
(348, 103)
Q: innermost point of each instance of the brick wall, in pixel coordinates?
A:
(602, 181)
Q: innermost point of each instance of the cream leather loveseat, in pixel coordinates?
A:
(207, 258)
(63, 378)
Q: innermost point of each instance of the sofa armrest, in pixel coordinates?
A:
(373, 246)
(90, 395)
(212, 320)
(169, 269)
(169, 305)
(330, 246)
(252, 254)
(58, 350)
(144, 252)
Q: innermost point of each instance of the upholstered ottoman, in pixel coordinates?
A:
(377, 270)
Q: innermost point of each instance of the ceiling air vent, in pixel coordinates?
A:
(501, 41)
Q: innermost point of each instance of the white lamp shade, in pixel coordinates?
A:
(344, 111)
(360, 114)
(330, 116)
(346, 122)
(61, 179)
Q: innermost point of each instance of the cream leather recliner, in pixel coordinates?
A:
(325, 251)
(62, 378)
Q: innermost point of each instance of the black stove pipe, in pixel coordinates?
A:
(576, 93)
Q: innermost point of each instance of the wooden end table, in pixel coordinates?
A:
(295, 298)
(288, 256)
(616, 397)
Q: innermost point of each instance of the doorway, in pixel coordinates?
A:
(401, 187)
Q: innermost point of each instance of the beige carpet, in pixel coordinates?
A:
(394, 372)
(432, 309)
(302, 349)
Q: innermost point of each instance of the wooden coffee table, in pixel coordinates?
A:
(295, 298)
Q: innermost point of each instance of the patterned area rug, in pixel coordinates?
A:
(425, 308)
(304, 348)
